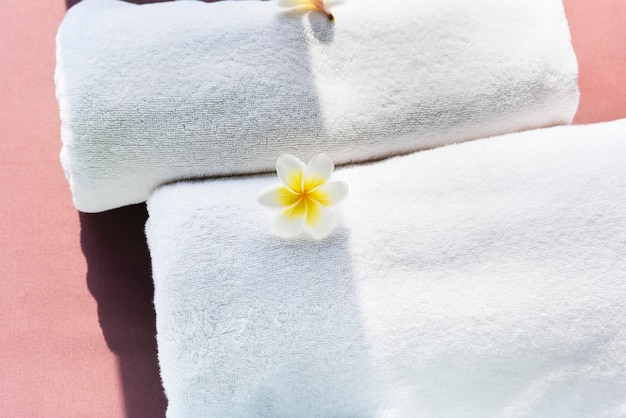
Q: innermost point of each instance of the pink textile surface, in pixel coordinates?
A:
(76, 315)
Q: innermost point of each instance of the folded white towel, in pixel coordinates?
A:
(155, 93)
(480, 279)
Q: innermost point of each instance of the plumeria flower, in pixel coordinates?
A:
(303, 196)
(308, 4)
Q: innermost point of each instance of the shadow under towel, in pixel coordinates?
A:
(480, 279)
(151, 94)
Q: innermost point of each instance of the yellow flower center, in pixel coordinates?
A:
(306, 200)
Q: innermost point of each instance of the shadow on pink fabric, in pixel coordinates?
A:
(120, 280)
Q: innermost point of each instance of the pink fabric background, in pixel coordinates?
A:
(76, 316)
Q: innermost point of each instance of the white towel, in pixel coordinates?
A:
(475, 280)
(150, 94)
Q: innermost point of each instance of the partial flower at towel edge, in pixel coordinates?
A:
(303, 196)
(308, 4)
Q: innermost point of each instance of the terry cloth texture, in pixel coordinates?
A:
(151, 94)
(480, 279)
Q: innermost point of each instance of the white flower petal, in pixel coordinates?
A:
(287, 226)
(290, 170)
(294, 3)
(323, 224)
(330, 193)
(317, 171)
(277, 196)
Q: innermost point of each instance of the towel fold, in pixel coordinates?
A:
(481, 279)
(151, 94)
